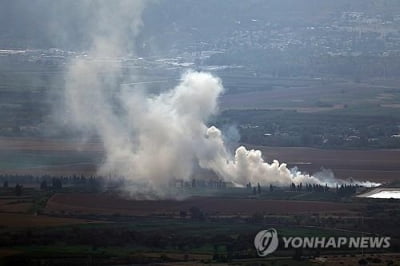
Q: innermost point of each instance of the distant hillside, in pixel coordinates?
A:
(47, 23)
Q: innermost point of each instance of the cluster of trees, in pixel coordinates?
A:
(342, 190)
(258, 189)
(17, 189)
(219, 184)
(31, 179)
(346, 190)
(56, 184)
(47, 182)
(227, 246)
(199, 183)
(309, 187)
(102, 237)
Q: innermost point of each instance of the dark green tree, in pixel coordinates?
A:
(18, 190)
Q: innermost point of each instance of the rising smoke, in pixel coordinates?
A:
(154, 139)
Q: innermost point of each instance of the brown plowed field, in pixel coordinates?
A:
(363, 165)
(108, 204)
(30, 220)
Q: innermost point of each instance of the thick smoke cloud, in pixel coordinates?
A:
(161, 138)
(154, 139)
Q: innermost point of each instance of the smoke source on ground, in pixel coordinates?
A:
(151, 139)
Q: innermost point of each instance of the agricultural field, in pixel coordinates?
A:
(14, 220)
(107, 228)
(38, 156)
(311, 96)
(213, 206)
(380, 166)
(23, 211)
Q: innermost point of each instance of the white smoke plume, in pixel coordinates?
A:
(154, 139)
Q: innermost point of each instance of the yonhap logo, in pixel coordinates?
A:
(266, 242)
